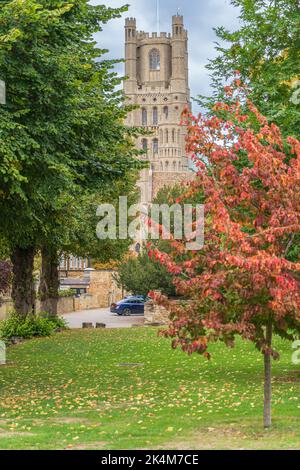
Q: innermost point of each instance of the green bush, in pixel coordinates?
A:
(31, 326)
(67, 293)
(142, 274)
(59, 322)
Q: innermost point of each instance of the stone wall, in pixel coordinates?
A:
(155, 313)
(103, 289)
(102, 292)
(74, 273)
(65, 305)
(5, 307)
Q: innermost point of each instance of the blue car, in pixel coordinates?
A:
(131, 305)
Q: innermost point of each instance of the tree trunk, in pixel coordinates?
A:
(49, 285)
(23, 293)
(268, 385)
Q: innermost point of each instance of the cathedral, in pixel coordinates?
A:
(157, 71)
(157, 82)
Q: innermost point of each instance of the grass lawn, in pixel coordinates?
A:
(69, 391)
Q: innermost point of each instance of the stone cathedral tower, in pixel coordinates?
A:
(158, 81)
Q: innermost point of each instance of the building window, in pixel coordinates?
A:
(173, 135)
(155, 146)
(161, 135)
(166, 112)
(145, 145)
(167, 136)
(155, 117)
(144, 117)
(154, 58)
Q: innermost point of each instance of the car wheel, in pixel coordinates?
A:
(126, 312)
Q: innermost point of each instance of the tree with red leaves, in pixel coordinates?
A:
(243, 282)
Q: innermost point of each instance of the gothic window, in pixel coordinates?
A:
(167, 136)
(155, 146)
(166, 112)
(144, 117)
(174, 166)
(162, 136)
(154, 58)
(145, 145)
(167, 166)
(155, 117)
(173, 135)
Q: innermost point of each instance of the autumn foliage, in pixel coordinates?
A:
(244, 280)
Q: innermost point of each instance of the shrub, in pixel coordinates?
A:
(140, 275)
(31, 326)
(67, 293)
(57, 321)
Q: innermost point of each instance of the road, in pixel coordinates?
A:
(101, 315)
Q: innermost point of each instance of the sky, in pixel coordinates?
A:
(200, 17)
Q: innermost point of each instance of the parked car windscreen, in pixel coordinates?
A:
(131, 300)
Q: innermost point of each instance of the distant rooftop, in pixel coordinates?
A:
(73, 281)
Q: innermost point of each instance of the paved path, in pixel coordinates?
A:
(102, 315)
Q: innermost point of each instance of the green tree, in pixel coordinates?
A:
(62, 131)
(141, 274)
(78, 237)
(266, 52)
